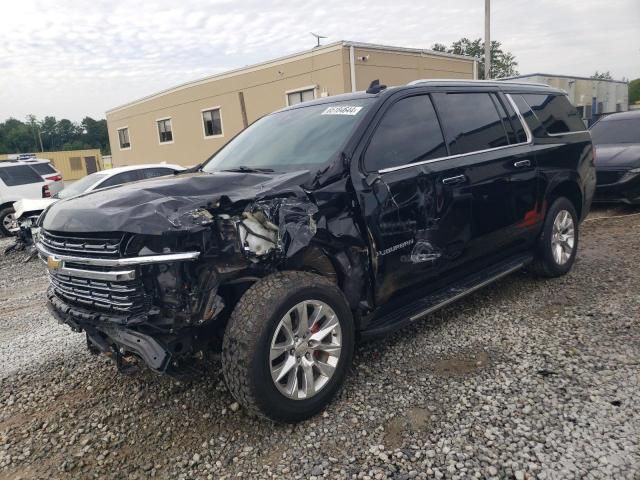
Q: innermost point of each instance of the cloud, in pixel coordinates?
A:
(82, 58)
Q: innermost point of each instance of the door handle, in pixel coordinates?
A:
(454, 180)
(522, 163)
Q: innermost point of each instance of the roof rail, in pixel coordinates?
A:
(460, 80)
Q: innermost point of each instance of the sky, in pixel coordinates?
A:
(72, 58)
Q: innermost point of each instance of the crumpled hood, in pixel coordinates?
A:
(166, 204)
(623, 155)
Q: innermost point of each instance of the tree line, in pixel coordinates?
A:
(51, 134)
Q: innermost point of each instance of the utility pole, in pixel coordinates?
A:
(487, 39)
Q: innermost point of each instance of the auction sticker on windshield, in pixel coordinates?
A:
(344, 110)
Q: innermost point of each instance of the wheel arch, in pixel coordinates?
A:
(570, 189)
(6, 205)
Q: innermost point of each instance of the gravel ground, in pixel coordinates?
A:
(524, 379)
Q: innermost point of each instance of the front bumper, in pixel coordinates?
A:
(115, 302)
(109, 336)
(626, 190)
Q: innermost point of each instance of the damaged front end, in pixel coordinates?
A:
(164, 298)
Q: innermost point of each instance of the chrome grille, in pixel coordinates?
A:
(101, 246)
(126, 296)
(606, 177)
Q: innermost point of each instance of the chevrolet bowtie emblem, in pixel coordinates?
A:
(53, 263)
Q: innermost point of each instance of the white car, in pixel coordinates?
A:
(30, 208)
(18, 180)
(48, 172)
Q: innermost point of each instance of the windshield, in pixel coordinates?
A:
(81, 185)
(301, 138)
(616, 131)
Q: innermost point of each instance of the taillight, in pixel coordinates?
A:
(45, 191)
(55, 178)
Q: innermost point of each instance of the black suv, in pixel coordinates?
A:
(322, 223)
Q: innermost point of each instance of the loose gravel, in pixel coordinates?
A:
(527, 378)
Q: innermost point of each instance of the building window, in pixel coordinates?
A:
(123, 136)
(75, 163)
(164, 130)
(618, 107)
(212, 122)
(300, 96)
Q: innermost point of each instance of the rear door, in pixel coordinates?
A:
(415, 203)
(482, 143)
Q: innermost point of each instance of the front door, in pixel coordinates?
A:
(416, 205)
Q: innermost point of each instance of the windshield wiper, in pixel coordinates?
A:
(244, 168)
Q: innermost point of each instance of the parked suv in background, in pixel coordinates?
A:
(48, 173)
(18, 180)
(328, 221)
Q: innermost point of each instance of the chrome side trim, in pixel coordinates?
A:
(520, 117)
(121, 262)
(466, 292)
(568, 133)
(460, 155)
(450, 157)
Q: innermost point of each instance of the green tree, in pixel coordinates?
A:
(634, 91)
(503, 64)
(602, 76)
(50, 134)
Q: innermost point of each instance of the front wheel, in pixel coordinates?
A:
(7, 222)
(558, 243)
(288, 346)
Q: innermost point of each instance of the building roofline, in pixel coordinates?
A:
(574, 77)
(285, 59)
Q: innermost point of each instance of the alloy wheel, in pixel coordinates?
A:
(563, 237)
(305, 349)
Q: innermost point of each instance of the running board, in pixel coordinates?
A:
(443, 297)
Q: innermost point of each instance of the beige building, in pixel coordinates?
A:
(189, 122)
(72, 164)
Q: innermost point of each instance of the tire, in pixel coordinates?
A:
(256, 330)
(4, 213)
(546, 263)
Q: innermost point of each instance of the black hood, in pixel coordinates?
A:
(167, 204)
(621, 155)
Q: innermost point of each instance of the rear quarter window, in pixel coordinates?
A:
(43, 168)
(19, 175)
(555, 113)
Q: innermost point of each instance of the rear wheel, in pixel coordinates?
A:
(558, 243)
(7, 222)
(288, 346)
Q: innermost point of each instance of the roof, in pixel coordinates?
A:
(571, 77)
(113, 171)
(612, 117)
(288, 58)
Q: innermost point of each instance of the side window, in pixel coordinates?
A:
(470, 121)
(121, 178)
(19, 175)
(532, 121)
(517, 133)
(155, 172)
(555, 113)
(408, 133)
